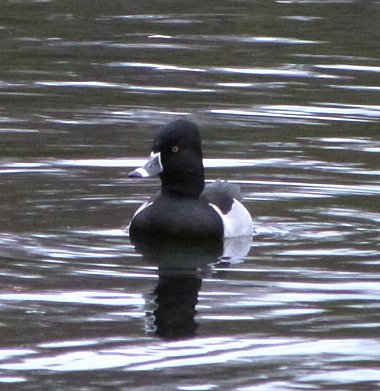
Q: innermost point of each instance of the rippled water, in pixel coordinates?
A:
(287, 96)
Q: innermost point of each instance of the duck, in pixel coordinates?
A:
(186, 208)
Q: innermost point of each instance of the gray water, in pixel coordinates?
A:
(287, 96)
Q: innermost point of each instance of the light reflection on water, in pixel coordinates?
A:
(286, 96)
(184, 354)
(311, 113)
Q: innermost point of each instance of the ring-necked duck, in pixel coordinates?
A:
(186, 208)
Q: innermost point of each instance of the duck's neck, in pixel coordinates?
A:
(186, 182)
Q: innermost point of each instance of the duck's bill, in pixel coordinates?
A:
(151, 168)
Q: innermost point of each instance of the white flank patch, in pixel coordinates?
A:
(237, 222)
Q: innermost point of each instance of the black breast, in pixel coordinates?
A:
(178, 217)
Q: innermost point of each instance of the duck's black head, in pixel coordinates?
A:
(177, 158)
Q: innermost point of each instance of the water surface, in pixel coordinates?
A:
(286, 94)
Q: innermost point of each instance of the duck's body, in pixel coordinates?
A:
(175, 217)
(185, 208)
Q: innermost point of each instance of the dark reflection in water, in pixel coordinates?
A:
(176, 296)
(180, 267)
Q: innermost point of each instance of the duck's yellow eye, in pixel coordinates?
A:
(175, 149)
